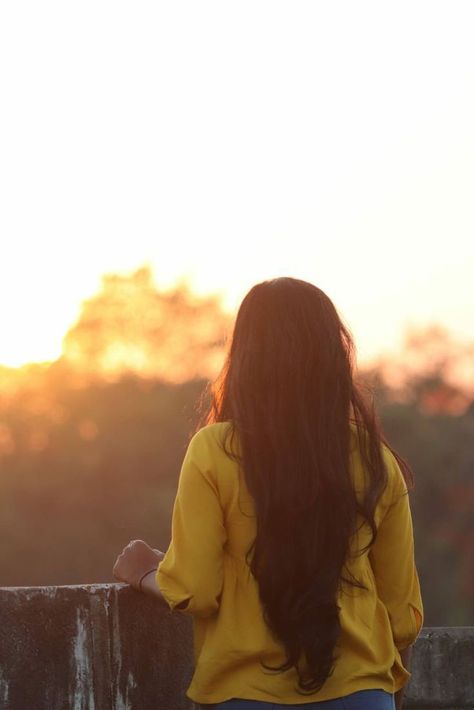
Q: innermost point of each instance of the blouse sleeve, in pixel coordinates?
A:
(190, 576)
(393, 562)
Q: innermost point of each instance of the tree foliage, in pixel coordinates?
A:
(130, 326)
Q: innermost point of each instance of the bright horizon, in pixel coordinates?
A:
(224, 144)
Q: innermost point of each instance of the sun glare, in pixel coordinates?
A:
(166, 143)
(29, 339)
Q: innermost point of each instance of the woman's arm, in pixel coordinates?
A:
(192, 573)
(392, 557)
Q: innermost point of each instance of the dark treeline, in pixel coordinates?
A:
(87, 471)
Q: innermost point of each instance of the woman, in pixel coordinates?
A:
(292, 542)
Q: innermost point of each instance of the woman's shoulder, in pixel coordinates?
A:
(212, 433)
(396, 483)
(217, 441)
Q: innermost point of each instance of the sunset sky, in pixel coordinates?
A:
(228, 142)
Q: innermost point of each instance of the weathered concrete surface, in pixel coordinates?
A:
(91, 648)
(105, 647)
(443, 669)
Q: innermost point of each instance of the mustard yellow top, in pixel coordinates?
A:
(205, 572)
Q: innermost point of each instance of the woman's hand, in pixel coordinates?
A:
(134, 561)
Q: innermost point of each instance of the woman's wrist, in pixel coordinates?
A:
(138, 587)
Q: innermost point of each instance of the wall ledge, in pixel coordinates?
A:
(106, 647)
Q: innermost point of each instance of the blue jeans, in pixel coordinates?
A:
(362, 700)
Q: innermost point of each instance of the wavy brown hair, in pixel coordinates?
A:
(287, 388)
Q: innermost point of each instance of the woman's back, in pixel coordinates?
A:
(206, 573)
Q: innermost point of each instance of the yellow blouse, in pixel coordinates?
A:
(205, 573)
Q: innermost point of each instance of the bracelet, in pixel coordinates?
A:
(153, 569)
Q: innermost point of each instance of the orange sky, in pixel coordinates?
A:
(226, 144)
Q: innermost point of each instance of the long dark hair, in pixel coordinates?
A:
(288, 390)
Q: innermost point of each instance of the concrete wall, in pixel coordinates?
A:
(105, 647)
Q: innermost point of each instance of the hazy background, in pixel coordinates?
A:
(186, 151)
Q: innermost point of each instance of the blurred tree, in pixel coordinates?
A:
(130, 326)
(434, 372)
(75, 488)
